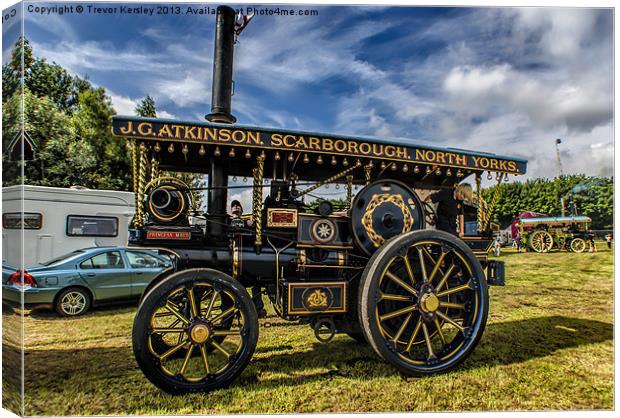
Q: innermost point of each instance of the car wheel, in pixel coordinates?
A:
(72, 302)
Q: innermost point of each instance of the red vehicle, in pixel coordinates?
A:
(514, 225)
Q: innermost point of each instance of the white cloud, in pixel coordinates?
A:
(188, 90)
(81, 57)
(565, 31)
(164, 114)
(126, 106)
(123, 104)
(479, 91)
(310, 54)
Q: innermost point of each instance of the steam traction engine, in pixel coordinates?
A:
(376, 271)
(562, 232)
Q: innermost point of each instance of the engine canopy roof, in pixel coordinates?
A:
(202, 138)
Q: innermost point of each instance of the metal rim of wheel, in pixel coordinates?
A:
(578, 245)
(73, 303)
(541, 241)
(424, 302)
(188, 313)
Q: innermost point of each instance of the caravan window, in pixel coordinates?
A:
(14, 220)
(92, 226)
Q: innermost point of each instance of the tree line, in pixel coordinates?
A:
(70, 122)
(67, 118)
(582, 195)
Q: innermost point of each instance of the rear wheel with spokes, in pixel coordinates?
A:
(195, 331)
(423, 302)
(541, 241)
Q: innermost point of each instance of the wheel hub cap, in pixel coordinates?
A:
(200, 333)
(429, 302)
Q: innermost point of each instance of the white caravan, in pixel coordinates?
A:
(57, 221)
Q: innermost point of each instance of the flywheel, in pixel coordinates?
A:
(382, 210)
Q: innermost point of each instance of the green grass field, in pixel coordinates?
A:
(548, 345)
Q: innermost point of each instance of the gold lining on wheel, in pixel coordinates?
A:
(578, 245)
(431, 316)
(197, 332)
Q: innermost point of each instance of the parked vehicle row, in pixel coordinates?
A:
(71, 284)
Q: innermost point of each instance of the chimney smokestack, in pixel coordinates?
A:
(223, 66)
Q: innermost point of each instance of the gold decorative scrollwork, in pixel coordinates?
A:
(367, 172)
(317, 299)
(376, 201)
(154, 168)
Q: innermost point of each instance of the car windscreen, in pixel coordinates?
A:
(61, 258)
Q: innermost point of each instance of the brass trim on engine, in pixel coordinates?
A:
(237, 259)
(309, 285)
(341, 258)
(331, 247)
(376, 201)
(272, 224)
(174, 216)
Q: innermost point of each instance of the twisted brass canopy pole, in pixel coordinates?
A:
(257, 201)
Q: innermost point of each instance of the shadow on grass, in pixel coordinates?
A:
(11, 379)
(519, 341)
(50, 314)
(102, 369)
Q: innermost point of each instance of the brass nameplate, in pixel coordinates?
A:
(169, 235)
(281, 218)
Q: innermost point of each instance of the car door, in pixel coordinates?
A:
(107, 275)
(144, 267)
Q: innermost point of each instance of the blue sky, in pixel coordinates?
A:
(504, 80)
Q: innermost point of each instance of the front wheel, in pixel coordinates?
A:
(578, 245)
(192, 312)
(423, 302)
